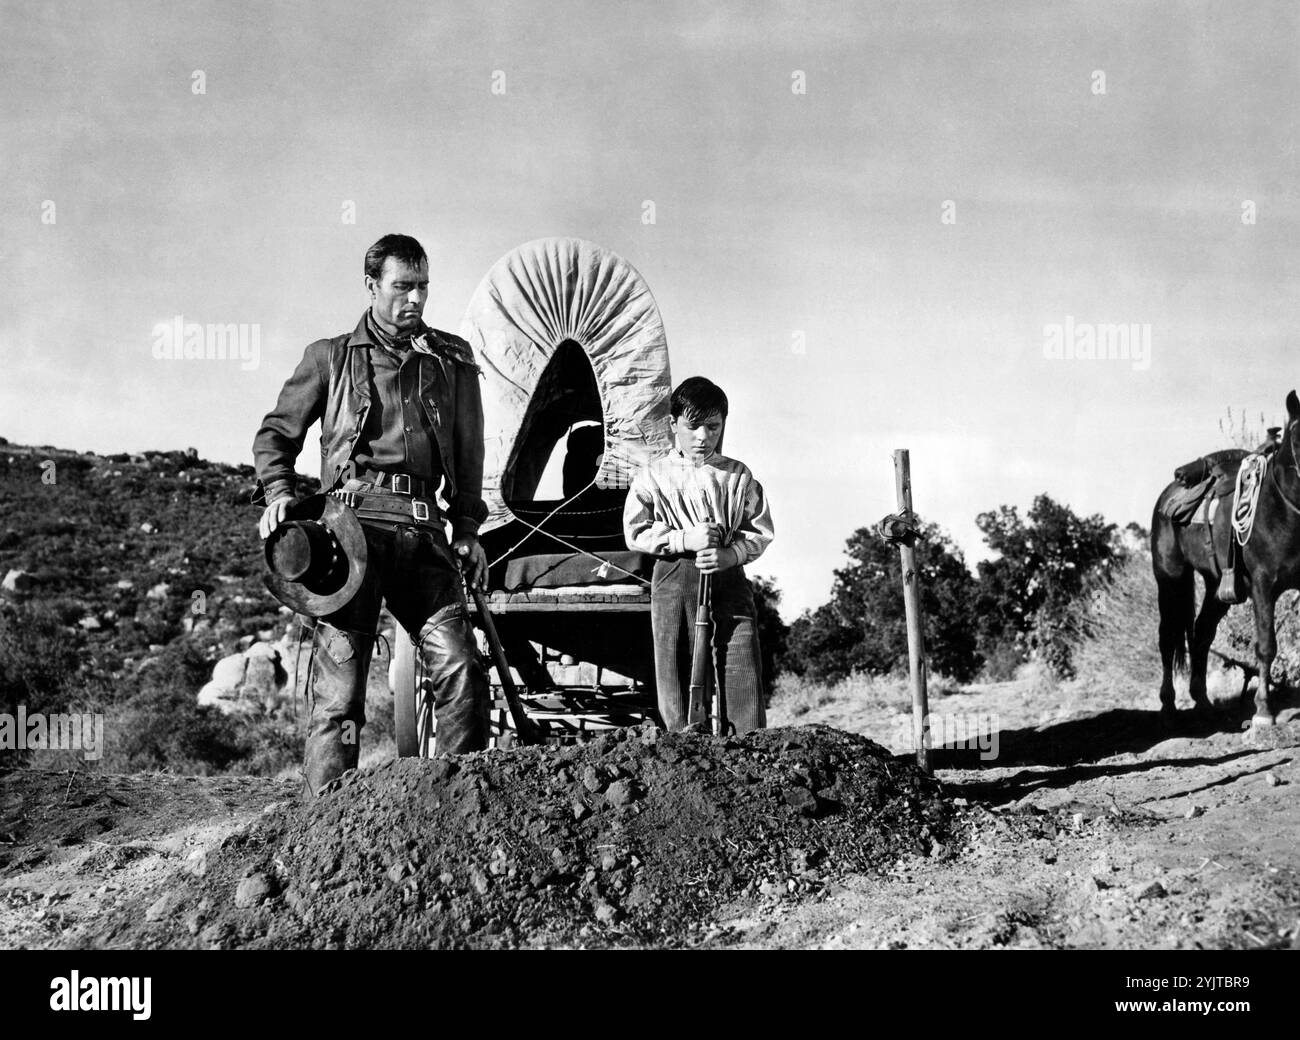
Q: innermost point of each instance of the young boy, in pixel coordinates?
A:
(701, 513)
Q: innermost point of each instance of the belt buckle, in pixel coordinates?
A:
(420, 510)
(401, 483)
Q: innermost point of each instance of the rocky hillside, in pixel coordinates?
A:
(133, 551)
(126, 578)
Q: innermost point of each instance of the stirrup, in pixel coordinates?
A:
(1227, 591)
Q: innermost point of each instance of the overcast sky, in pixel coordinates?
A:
(864, 265)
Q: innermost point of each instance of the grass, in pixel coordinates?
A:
(1113, 633)
(795, 696)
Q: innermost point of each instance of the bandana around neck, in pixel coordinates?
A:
(399, 344)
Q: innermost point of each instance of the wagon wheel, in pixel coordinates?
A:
(412, 707)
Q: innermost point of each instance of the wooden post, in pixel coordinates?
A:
(912, 605)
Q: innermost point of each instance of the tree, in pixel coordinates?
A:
(773, 633)
(1044, 563)
(864, 626)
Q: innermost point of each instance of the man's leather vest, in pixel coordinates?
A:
(332, 383)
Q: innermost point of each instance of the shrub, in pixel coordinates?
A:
(1111, 633)
(162, 726)
(773, 633)
(40, 659)
(1001, 660)
(863, 627)
(270, 747)
(1044, 563)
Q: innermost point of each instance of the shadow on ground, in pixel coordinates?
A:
(1072, 750)
(1083, 738)
(1098, 735)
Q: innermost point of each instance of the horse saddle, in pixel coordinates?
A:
(1193, 499)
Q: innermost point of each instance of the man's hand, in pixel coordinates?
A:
(710, 561)
(701, 537)
(273, 516)
(473, 561)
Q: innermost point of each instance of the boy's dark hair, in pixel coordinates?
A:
(697, 398)
(403, 247)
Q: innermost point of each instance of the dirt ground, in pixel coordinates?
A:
(1149, 835)
(1096, 825)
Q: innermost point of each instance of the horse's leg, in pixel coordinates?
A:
(1177, 598)
(1207, 623)
(1262, 599)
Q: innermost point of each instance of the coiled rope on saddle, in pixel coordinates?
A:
(1250, 478)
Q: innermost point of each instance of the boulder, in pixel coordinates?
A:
(163, 907)
(267, 650)
(260, 680)
(1149, 890)
(18, 581)
(214, 695)
(621, 792)
(250, 682)
(253, 891)
(229, 672)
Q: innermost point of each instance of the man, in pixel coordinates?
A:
(400, 414)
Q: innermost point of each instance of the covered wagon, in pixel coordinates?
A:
(575, 398)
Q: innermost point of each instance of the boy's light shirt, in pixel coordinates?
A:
(673, 493)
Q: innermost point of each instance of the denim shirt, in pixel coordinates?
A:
(332, 383)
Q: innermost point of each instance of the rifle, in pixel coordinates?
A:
(702, 659)
(528, 731)
(701, 665)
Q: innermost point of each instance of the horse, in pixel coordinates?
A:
(1269, 563)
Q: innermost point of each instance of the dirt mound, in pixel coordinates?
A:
(636, 837)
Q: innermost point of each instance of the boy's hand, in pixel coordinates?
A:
(710, 561)
(701, 537)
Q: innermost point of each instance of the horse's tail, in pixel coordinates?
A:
(1184, 609)
(1180, 653)
(1186, 619)
(1176, 585)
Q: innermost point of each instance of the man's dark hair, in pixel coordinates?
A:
(403, 247)
(697, 398)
